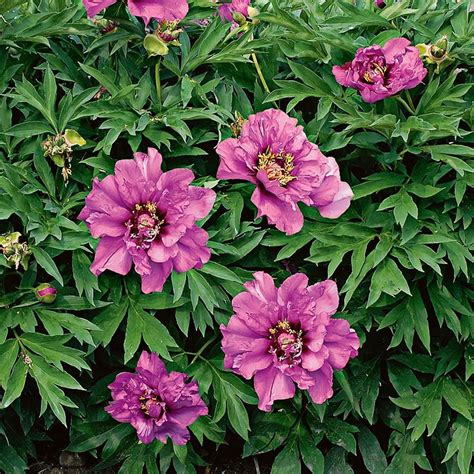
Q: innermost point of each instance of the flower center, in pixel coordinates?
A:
(286, 342)
(278, 166)
(375, 73)
(145, 224)
(151, 406)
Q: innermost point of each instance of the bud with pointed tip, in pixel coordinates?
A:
(45, 293)
(239, 18)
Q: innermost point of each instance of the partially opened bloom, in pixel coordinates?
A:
(286, 336)
(236, 9)
(146, 9)
(146, 217)
(379, 72)
(156, 403)
(273, 152)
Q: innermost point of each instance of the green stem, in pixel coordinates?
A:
(260, 74)
(410, 101)
(157, 80)
(407, 107)
(203, 348)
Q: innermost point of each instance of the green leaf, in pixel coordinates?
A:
(372, 454)
(85, 280)
(220, 272)
(16, 383)
(287, 460)
(8, 355)
(312, 456)
(461, 443)
(141, 324)
(388, 279)
(46, 262)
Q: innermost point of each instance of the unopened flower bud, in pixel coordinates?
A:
(46, 293)
(239, 18)
(155, 46)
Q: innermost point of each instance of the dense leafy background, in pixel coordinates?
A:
(401, 255)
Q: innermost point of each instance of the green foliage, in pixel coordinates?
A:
(401, 255)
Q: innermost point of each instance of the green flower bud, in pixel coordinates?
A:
(155, 46)
(45, 293)
(239, 18)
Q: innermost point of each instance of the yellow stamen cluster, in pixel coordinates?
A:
(236, 127)
(277, 165)
(377, 68)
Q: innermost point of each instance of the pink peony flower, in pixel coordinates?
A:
(239, 7)
(379, 3)
(156, 403)
(146, 217)
(146, 9)
(282, 336)
(378, 72)
(274, 153)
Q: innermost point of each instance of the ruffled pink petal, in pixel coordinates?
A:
(145, 429)
(201, 201)
(314, 360)
(150, 362)
(155, 280)
(111, 254)
(149, 164)
(232, 164)
(158, 9)
(131, 182)
(342, 343)
(394, 47)
(326, 295)
(93, 7)
(263, 287)
(292, 288)
(159, 253)
(192, 250)
(285, 216)
(322, 388)
(343, 74)
(271, 384)
(174, 182)
(340, 204)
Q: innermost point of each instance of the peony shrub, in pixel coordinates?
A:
(236, 236)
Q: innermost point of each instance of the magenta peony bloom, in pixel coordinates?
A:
(378, 72)
(227, 11)
(146, 217)
(274, 153)
(156, 403)
(146, 9)
(282, 336)
(379, 3)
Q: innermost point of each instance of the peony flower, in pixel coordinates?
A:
(282, 336)
(236, 9)
(146, 217)
(156, 403)
(146, 9)
(379, 3)
(273, 153)
(378, 72)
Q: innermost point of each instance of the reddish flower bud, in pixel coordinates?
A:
(46, 293)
